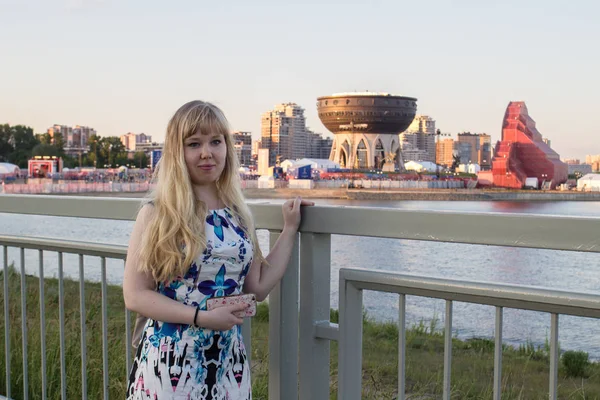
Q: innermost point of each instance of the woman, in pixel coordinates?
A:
(193, 241)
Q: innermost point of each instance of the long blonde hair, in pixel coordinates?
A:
(175, 234)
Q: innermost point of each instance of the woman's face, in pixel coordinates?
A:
(205, 157)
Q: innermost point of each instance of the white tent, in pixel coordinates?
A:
(469, 168)
(589, 183)
(420, 166)
(9, 169)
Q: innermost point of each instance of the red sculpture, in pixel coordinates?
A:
(522, 153)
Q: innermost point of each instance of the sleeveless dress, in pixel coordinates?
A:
(178, 361)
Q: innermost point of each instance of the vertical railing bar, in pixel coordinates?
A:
(315, 304)
(448, 351)
(104, 330)
(498, 355)
(350, 343)
(61, 315)
(42, 322)
(82, 318)
(24, 326)
(128, 346)
(553, 395)
(283, 328)
(127, 342)
(401, 346)
(6, 324)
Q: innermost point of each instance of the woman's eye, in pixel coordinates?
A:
(193, 144)
(216, 141)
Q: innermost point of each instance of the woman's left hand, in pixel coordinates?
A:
(291, 213)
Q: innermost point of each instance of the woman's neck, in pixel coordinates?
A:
(209, 195)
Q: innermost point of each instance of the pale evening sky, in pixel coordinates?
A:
(125, 66)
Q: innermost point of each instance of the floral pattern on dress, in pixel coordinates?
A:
(179, 361)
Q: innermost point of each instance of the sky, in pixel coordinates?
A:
(126, 65)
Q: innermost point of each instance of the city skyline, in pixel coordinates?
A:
(463, 60)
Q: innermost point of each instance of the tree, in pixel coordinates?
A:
(70, 162)
(110, 148)
(44, 149)
(93, 143)
(121, 159)
(23, 141)
(44, 138)
(59, 142)
(140, 159)
(89, 160)
(5, 146)
(16, 144)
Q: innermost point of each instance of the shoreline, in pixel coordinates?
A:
(392, 195)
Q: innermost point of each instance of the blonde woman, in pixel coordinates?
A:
(195, 240)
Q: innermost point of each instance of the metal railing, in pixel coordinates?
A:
(82, 249)
(301, 302)
(354, 281)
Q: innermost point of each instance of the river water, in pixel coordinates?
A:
(544, 268)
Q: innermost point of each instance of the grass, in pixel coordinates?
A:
(525, 369)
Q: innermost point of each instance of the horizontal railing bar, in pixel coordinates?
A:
(65, 246)
(493, 294)
(327, 330)
(71, 206)
(496, 229)
(509, 230)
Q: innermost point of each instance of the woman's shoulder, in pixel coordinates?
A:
(146, 211)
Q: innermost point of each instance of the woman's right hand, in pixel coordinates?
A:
(222, 318)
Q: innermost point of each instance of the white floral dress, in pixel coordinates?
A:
(178, 361)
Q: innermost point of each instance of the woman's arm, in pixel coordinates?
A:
(139, 291)
(262, 278)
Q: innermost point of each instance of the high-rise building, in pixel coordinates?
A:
(242, 143)
(572, 161)
(419, 140)
(75, 139)
(472, 154)
(409, 143)
(485, 151)
(255, 146)
(445, 149)
(318, 147)
(63, 130)
(478, 150)
(464, 150)
(132, 140)
(283, 132)
(590, 159)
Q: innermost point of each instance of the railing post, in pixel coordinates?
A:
(105, 386)
(61, 317)
(315, 284)
(498, 355)
(82, 315)
(6, 323)
(42, 323)
(448, 352)
(554, 357)
(283, 330)
(24, 325)
(401, 347)
(350, 345)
